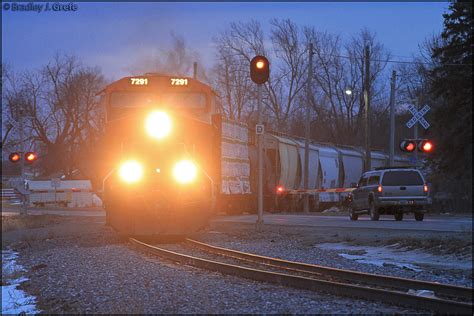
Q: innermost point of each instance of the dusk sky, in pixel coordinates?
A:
(115, 36)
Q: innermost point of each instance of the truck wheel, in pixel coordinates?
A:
(398, 215)
(373, 212)
(419, 216)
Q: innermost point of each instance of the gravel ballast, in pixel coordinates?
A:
(78, 265)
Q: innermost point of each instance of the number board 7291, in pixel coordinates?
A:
(179, 82)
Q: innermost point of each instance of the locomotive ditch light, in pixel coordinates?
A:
(131, 171)
(158, 124)
(30, 156)
(14, 157)
(185, 171)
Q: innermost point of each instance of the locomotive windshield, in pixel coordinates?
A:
(126, 99)
(180, 100)
(189, 100)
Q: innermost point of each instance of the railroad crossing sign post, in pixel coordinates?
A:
(417, 118)
(55, 183)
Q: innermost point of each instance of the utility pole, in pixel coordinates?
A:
(415, 131)
(392, 118)
(260, 159)
(23, 209)
(307, 128)
(367, 109)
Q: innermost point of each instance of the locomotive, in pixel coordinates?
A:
(161, 149)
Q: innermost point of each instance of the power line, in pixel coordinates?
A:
(400, 61)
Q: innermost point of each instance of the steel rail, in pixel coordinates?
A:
(374, 279)
(341, 289)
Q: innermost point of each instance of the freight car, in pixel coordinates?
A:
(333, 170)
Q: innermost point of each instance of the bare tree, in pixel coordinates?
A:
(61, 110)
(241, 42)
(338, 67)
(232, 81)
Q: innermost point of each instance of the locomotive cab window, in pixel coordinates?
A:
(185, 100)
(127, 99)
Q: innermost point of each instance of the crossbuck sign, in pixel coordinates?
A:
(418, 116)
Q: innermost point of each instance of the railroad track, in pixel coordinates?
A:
(392, 290)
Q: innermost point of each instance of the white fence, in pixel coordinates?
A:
(70, 193)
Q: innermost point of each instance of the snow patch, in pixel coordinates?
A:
(14, 300)
(393, 255)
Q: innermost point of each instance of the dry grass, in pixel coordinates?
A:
(439, 246)
(10, 223)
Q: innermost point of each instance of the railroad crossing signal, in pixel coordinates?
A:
(259, 69)
(29, 156)
(14, 157)
(418, 116)
(423, 145)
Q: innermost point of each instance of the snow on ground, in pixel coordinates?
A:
(14, 300)
(401, 257)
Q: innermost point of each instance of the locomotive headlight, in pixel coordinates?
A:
(131, 171)
(158, 124)
(185, 171)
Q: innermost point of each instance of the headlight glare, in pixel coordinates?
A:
(131, 171)
(185, 171)
(158, 124)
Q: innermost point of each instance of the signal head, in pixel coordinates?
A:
(407, 145)
(259, 69)
(425, 146)
(30, 156)
(14, 157)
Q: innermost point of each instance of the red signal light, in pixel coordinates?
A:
(280, 189)
(30, 156)
(259, 69)
(14, 157)
(425, 146)
(407, 145)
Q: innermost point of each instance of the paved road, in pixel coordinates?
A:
(438, 223)
(433, 223)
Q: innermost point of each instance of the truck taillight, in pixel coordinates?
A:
(425, 188)
(379, 189)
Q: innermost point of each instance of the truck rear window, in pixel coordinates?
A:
(402, 178)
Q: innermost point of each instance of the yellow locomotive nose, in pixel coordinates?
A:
(185, 171)
(131, 171)
(158, 124)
